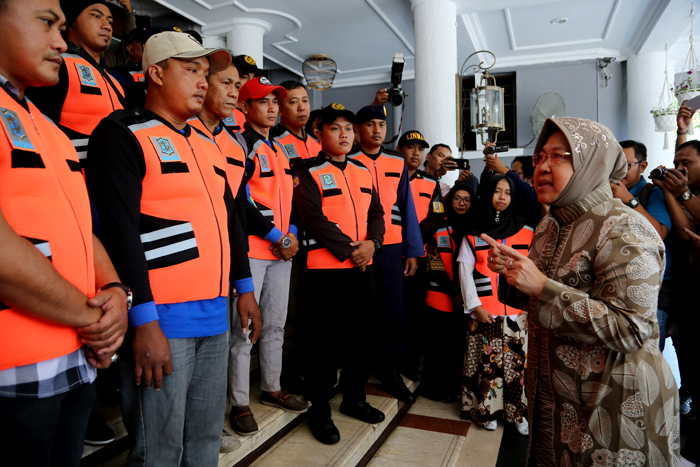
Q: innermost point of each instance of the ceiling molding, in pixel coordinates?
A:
(391, 25)
(283, 65)
(180, 12)
(567, 56)
(379, 78)
(647, 24)
(472, 24)
(603, 38)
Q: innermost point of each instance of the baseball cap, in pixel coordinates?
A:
(331, 112)
(257, 88)
(249, 65)
(371, 112)
(170, 44)
(411, 137)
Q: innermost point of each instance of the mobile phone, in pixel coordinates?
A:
(693, 103)
(461, 164)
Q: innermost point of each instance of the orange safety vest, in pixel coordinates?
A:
(90, 99)
(436, 297)
(297, 148)
(271, 189)
(386, 173)
(231, 150)
(138, 76)
(422, 189)
(346, 197)
(237, 119)
(486, 281)
(184, 220)
(44, 199)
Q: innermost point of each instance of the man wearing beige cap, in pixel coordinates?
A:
(168, 215)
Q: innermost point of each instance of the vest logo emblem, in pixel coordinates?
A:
(291, 150)
(443, 241)
(229, 121)
(264, 165)
(15, 130)
(438, 208)
(165, 149)
(328, 182)
(87, 77)
(479, 241)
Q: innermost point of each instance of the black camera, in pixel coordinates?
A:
(496, 148)
(659, 174)
(396, 92)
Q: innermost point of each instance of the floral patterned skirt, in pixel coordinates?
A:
(494, 367)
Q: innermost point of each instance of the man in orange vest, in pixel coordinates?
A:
(291, 132)
(343, 220)
(427, 198)
(402, 240)
(167, 212)
(273, 242)
(64, 313)
(85, 92)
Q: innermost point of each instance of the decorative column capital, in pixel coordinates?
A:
(249, 24)
(416, 3)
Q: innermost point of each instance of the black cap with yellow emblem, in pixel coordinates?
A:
(330, 113)
(411, 137)
(249, 65)
(371, 112)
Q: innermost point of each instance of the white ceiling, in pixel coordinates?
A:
(362, 36)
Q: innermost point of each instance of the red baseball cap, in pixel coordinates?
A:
(259, 87)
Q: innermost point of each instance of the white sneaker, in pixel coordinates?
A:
(523, 428)
(490, 426)
(229, 442)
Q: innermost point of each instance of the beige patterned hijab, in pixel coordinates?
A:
(598, 158)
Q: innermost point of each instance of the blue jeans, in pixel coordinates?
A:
(180, 424)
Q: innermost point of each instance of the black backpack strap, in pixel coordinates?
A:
(644, 194)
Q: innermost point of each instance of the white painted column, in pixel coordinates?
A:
(436, 66)
(246, 37)
(214, 42)
(645, 77)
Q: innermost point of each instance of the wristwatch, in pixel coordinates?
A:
(125, 288)
(633, 203)
(286, 242)
(685, 196)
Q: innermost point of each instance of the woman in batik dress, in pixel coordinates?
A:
(599, 391)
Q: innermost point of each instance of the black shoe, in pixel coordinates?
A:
(685, 401)
(394, 385)
(437, 395)
(324, 430)
(411, 372)
(362, 411)
(98, 433)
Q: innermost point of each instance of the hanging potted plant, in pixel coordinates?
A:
(687, 82)
(666, 110)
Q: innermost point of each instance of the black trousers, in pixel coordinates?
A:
(444, 352)
(45, 432)
(415, 289)
(338, 309)
(389, 283)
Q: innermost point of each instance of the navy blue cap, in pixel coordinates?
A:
(371, 112)
(330, 113)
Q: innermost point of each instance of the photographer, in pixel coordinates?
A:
(681, 187)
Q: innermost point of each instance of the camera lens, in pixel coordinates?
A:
(489, 150)
(395, 97)
(657, 173)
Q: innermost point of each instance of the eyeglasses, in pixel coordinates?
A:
(461, 200)
(629, 166)
(554, 158)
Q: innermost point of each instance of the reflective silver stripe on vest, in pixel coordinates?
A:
(80, 145)
(171, 249)
(396, 213)
(44, 248)
(166, 232)
(143, 126)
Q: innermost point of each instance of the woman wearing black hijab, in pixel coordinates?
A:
(444, 235)
(497, 341)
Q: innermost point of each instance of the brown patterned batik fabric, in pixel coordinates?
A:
(599, 391)
(494, 369)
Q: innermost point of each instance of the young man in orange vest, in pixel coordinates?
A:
(51, 262)
(273, 242)
(167, 212)
(291, 132)
(427, 198)
(85, 93)
(343, 221)
(402, 240)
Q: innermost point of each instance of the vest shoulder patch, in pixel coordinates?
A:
(291, 150)
(264, 164)
(87, 76)
(165, 149)
(15, 130)
(438, 207)
(328, 182)
(443, 241)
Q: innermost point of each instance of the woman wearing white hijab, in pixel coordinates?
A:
(599, 391)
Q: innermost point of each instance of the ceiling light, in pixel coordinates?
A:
(319, 71)
(559, 20)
